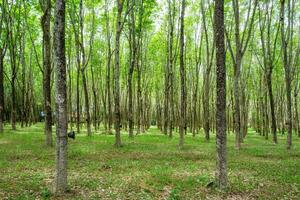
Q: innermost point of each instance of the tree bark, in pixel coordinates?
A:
(45, 21)
(82, 68)
(60, 183)
(287, 71)
(131, 69)
(12, 52)
(221, 174)
(108, 68)
(182, 80)
(117, 112)
(2, 54)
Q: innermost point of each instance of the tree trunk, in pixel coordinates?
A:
(2, 53)
(87, 104)
(108, 66)
(46, 7)
(82, 68)
(117, 75)
(12, 52)
(221, 175)
(237, 122)
(130, 71)
(77, 100)
(60, 183)
(287, 70)
(182, 78)
(272, 106)
(206, 117)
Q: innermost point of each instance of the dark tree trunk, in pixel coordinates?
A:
(12, 51)
(272, 106)
(46, 7)
(221, 175)
(287, 70)
(117, 75)
(182, 79)
(60, 182)
(171, 116)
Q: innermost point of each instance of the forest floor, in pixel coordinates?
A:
(147, 167)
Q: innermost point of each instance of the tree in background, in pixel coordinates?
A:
(182, 128)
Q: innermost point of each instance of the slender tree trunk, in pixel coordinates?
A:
(221, 174)
(206, 77)
(2, 53)
(82, 68)
(139, 94)
(130, 72)
(87, 104)
(297, 126)
(23, 63)
(12, 51)
(166, 100)
(46, 6)
(95, 115)
(272, 106)
(60, 182)
(108, 66)
(117, 75)
(182, 78)
(78, 100)
(69, 70)
(237, 122)
(287, 70)
(171, 116)
(206, 115)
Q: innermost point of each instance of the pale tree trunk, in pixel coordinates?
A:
(83, 67)
(132, 41)
(241, 44)
(221, 173)
(117, 112)
(69, 70)
(171, 115)
(77, 98)
(286, 59)
(195, 94)
(60, 182)
(45, 21)
(182, 80)
(139, 93)
(108, 66)
(139, 121)
(268, 58)
(206, 76)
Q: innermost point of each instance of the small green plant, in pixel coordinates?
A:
(45, 193)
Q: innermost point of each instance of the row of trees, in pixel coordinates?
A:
(138, 64)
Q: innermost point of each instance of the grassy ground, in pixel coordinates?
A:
(148, 167)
